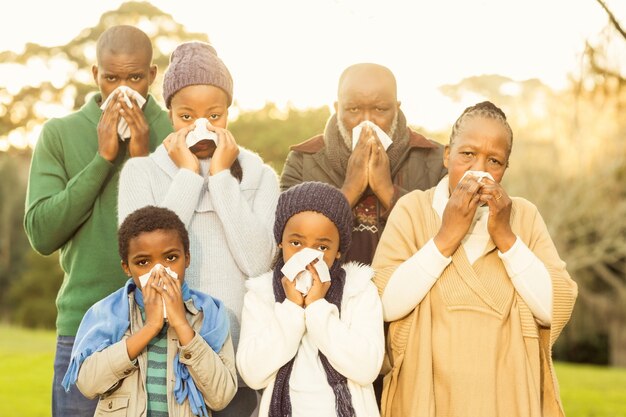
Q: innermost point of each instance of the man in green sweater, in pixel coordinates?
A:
(71, 203)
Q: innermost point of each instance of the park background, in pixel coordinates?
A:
(557, 68)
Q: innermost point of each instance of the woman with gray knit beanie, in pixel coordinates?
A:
(224, 194)
(314, 348)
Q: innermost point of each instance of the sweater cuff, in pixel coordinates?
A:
(430, 259)
(517, 259)
(100, 167)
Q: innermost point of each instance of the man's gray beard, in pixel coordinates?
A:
(347, 136)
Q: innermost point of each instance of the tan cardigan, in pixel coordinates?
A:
(409, 387)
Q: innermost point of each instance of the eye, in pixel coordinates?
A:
(352, 109)
(295, 243)
(110, 78)
(171, 258)
(381, 109)
(141, 262)
(135, 77)
(186, 117)
(495, 162)
(214, 116)
(322, 248)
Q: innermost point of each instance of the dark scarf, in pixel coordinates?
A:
(338, 153)
(280, 405)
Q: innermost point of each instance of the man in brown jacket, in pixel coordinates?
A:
(371, 178)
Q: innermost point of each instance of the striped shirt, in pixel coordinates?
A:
(156, 375)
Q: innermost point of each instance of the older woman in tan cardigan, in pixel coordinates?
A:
(473, 288)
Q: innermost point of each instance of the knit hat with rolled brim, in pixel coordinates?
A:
(319, 197)
(194, 63)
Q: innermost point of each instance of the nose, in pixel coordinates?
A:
(479, 164)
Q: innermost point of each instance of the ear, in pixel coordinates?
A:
(187, 259)
(153, 73)
(94, 72)
(170, 115)
(338, 255)
(446, 155)
(336, 105)
(126, 269)
(398, 104)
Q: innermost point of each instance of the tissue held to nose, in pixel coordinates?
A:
(295, 268)
(384, 138)
(200, 133)
(143, 279)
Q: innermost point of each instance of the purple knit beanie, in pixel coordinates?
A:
(195, 63)
(319, 197)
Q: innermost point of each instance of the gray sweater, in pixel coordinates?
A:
(230, 223)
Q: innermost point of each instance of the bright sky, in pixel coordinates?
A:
(289, 51)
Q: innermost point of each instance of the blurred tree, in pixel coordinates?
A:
(57, 79)
(13, 241)
(33, 294)
(270, 131)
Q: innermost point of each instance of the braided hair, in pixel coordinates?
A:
(485, 109)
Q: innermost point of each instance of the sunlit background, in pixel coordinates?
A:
(556, 67)
(292, 52)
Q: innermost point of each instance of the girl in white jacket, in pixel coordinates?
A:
(314, 350)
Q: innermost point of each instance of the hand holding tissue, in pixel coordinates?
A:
(384, 138)
(123, 130)
(295, 268)
(200, 133)
(143, 280)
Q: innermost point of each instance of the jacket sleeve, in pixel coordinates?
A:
(136, 191)
(214, 373)
(292, 171)
(354, 349)
(56, 205)
(103, 371)
(270, 337)
(248, 227)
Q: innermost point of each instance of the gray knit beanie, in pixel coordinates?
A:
(195, 63)
(319, 197)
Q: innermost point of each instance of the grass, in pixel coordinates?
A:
(26, 358)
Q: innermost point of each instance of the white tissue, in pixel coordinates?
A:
(384, 138)
(295, 268)
(200, 133)
(143, 279)
(479, 174)
(122, 127)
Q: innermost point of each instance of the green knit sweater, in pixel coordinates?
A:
(71, 205)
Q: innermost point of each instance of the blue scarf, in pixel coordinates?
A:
(106, 322)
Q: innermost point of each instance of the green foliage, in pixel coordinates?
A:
(33, 294)
(270, 131)
(13, 242)
(33, 104)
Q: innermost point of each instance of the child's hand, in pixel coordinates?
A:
(291, 292)
(153, 304)
(226, 152)
(170, 290)
(179, 153)
(319, 288)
